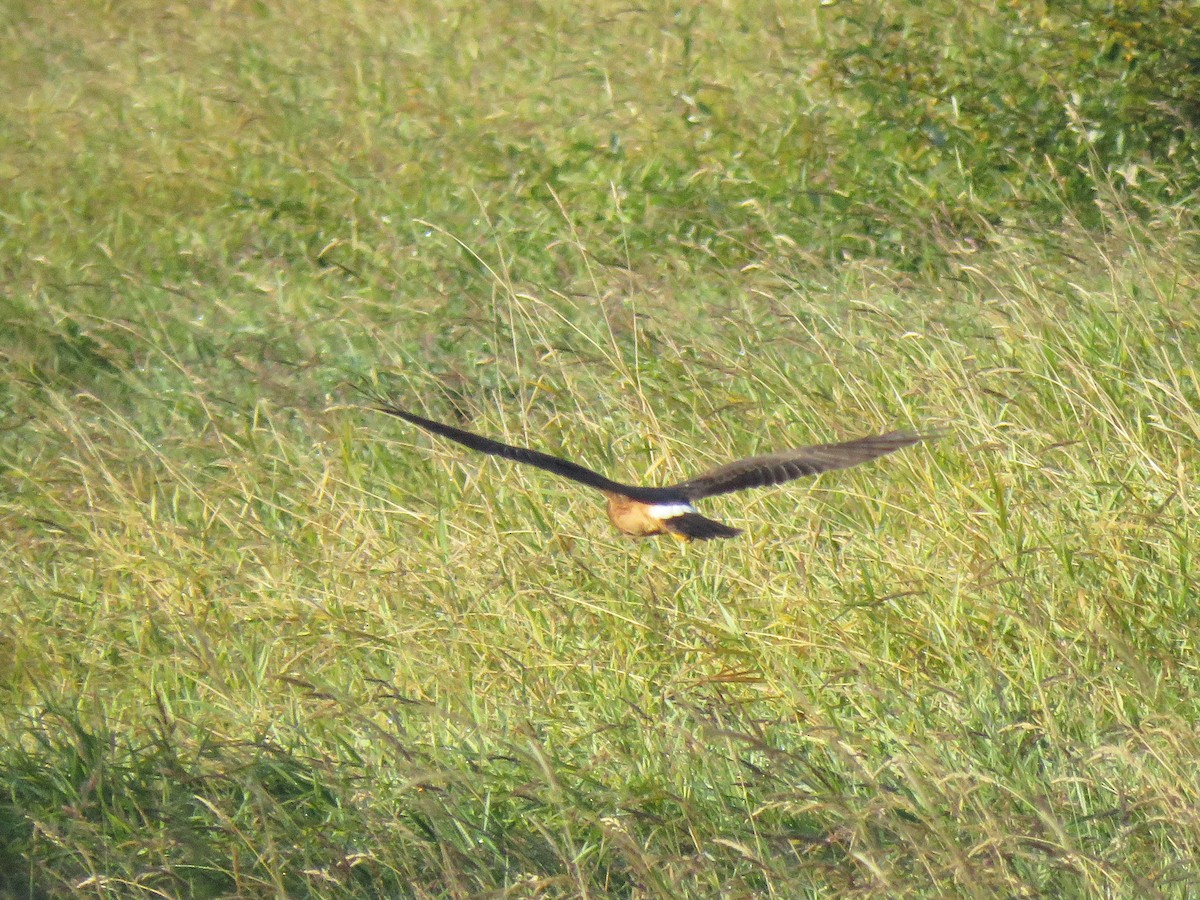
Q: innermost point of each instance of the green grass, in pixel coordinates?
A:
(259, 641)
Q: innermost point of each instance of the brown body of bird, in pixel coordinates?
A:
(644, 511)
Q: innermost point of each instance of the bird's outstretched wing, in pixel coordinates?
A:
(555, 464)
(786, 465)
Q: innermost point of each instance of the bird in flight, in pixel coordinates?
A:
(643, 511)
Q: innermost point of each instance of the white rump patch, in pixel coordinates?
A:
(669, 510)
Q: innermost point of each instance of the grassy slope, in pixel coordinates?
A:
(258, 641)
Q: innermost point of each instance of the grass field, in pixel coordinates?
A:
(257, 640)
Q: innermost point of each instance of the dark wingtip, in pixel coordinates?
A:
(928, 434)
(399, 413)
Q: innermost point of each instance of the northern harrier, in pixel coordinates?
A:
(643, 511)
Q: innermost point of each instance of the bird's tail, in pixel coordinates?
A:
(695, 527)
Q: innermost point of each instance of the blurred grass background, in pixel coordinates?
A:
(257, 641)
